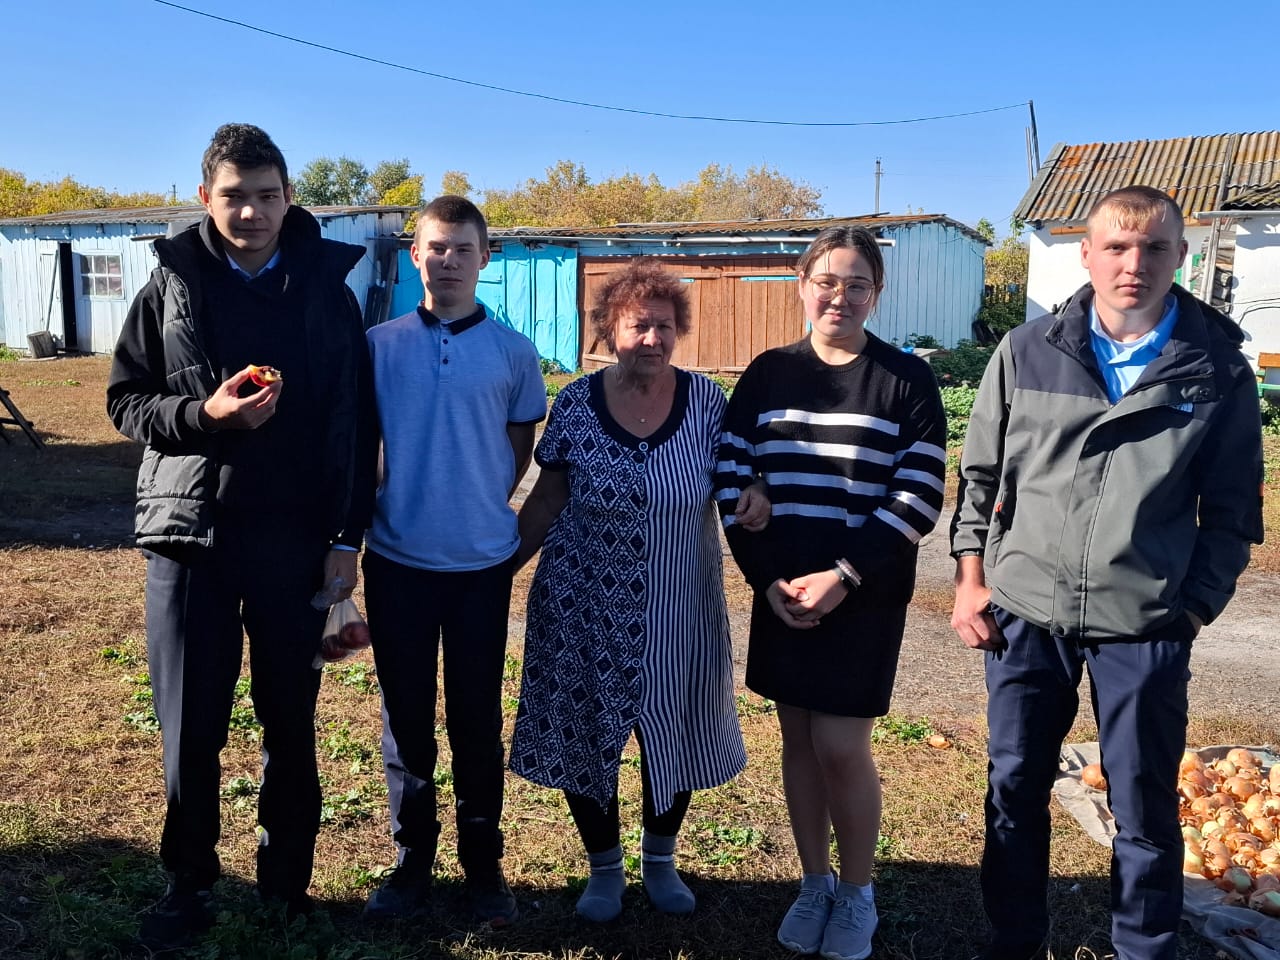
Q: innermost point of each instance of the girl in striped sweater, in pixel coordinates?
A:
(849, 434)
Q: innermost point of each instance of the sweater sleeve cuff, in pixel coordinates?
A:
(1202, 611)
(191, 416)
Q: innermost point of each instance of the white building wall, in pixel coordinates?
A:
(98, 320)
(360, 229)
(27, 268)
(31, 294)
(1256, 299)
(1055, 271)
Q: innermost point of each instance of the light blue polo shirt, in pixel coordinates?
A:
(1122, 363)
(446, 392)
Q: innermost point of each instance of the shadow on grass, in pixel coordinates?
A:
(68, 494)
(84, 899)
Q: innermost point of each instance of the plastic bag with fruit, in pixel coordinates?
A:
(345, 632)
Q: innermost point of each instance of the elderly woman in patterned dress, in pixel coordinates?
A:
(627, 628)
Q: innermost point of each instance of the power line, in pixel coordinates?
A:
(579, 103)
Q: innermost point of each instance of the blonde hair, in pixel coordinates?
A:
(1132, 208)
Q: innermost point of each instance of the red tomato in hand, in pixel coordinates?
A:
(264, 376)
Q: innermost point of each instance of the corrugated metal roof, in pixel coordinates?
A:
(164, 215)
(1199, 173)
(1261, 198)
(726, 228)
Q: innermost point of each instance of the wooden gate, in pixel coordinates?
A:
(740, 306)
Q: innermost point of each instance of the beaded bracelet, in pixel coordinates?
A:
(848, 576)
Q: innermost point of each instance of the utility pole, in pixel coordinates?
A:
(1035, 134)
(877, 210)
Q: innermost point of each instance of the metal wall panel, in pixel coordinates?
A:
(33, 302)
(933, 284)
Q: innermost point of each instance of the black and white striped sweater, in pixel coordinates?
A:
(854, 457)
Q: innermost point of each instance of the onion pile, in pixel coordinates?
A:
(1230, 813)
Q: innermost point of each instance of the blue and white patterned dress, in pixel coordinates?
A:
(626, 622)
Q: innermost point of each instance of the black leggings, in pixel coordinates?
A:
(598, 826)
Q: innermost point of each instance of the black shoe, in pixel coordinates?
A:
(1016, 952)
(295, 905)
(492, 901)
(406, 892)
(177, 920)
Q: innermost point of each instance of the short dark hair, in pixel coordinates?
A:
(451, 208)
(242, 145)
(1133, 208)
(839, 238)
(644, 278)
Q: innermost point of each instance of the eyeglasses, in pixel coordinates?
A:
(855, 292)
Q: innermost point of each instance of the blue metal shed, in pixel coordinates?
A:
(540, 281)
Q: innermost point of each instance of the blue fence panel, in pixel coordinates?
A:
(532, 290)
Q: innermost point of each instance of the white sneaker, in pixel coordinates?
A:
(848, 934)
(803, 926)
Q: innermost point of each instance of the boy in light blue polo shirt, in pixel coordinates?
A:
(459, 397)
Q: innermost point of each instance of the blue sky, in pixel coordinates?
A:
(125, 93)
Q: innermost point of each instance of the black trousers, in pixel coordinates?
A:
(1140, 702)
(200, 605)
(413, 614)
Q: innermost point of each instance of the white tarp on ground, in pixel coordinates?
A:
(1238, 931)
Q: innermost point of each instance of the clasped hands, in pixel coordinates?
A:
(803, 602)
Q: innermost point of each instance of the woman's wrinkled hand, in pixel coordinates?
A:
(754, 508)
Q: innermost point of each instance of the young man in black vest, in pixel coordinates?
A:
(251, 497)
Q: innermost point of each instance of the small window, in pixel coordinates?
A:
(101, 276)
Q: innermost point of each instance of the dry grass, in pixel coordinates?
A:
(80, 814)
(1266, 558)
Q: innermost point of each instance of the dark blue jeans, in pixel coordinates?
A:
(413, 614)
(1140, 702)
(200, 605)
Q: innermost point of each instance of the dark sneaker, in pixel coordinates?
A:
(405, 893)
(297, 905)
(177, 920)
(1015, 952)
(492, 901)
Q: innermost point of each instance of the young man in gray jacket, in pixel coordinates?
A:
(1109, 491)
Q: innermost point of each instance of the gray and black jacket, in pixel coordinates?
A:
(1100, 520)
(163, 369)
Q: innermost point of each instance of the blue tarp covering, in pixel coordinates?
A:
(531, 290)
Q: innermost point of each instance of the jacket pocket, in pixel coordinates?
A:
(1001, 521)
(176, 496)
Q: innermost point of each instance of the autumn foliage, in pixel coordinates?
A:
(567, 197)
(20, 197)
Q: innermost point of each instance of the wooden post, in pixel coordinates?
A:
(18, 420)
